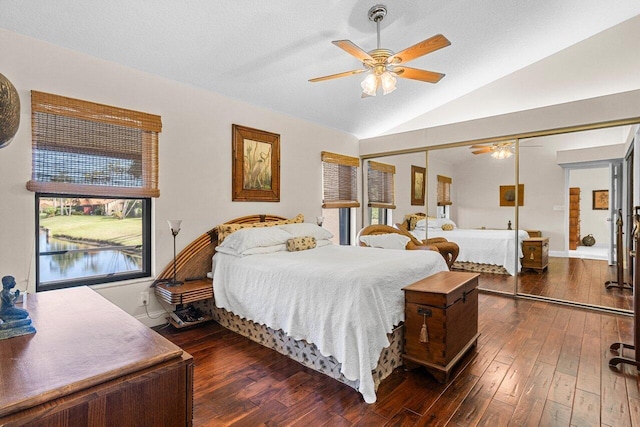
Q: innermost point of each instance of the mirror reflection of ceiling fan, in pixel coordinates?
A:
(498, 150)
(382, 65)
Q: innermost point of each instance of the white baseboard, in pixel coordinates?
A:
(559, 254)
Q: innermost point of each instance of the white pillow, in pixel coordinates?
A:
(250, 238)
(253, 251)
(386, 241)
(438, 223)
(307, 229)
(323, 242)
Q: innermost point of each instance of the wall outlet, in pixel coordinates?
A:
(143, 298)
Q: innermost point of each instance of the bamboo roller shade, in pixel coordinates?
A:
(81, 147)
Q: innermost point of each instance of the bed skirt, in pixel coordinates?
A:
(304, 352)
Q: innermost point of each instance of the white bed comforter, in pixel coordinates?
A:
(483, 246)
(343, 299)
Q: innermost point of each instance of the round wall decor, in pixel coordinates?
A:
(9, 111)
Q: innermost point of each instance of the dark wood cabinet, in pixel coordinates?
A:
(447, 303)
(92, 364)
(535, 253)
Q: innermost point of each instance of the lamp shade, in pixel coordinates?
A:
(370, 84)
(388, 82)
(174, 225)
(9, 111)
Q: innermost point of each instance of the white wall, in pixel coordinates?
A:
(195, 154)
(592, 221)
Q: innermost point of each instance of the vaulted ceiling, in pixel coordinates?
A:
(265, 52)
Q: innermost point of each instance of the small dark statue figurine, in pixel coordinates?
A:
(14, 321)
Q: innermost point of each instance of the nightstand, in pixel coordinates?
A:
(190, 291)
(535, 253)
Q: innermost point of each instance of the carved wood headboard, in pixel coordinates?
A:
(194, 261)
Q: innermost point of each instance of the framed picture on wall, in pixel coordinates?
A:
(508, 195)
(600, 199)
(418, 175)
(256, 165)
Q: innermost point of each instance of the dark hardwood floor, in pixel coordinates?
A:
(569, 279)
(536, 363)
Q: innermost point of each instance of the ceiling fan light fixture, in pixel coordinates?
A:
(388, 82)
(370, 84)
(502, 152)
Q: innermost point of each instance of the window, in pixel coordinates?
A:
(87, 240)
(339, 191)
(444, 190)
(380, 191)
(377, 216)
(95, 170)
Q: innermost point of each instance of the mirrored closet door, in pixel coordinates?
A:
(579, 195)
(479, 215)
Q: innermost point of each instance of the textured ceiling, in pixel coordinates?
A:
(265, 52)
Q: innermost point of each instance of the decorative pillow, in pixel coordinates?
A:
(413, 220)
(225, 230)
(386, 241)
(301, 243)
(447, 227)
(249, 238)
(307, 229)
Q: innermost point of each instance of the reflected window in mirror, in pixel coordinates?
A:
(380, 191)
(443, 211)
(379, 216)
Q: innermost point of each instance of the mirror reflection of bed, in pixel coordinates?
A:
(547, 168)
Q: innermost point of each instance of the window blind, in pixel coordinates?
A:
(339, 181)
(80, 147)
(444, 190)
(380, 185)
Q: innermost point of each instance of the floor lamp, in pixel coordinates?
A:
(174, 226)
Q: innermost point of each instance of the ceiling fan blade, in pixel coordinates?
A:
(415, 74)
(353, 49)
(417, 50)
(480, 151)
(335, 76)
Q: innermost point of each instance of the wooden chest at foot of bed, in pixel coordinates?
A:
(447, 305)
(535, 251)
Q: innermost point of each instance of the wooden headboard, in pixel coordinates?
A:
(194, 261)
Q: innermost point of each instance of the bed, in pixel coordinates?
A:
(333, 308)
(478, 246)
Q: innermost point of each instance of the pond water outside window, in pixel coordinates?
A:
(89, 240)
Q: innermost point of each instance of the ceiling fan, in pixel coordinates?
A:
(498, 150)
(383, 65)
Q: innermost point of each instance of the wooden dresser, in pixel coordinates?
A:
(92, 364)
(535, 253)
